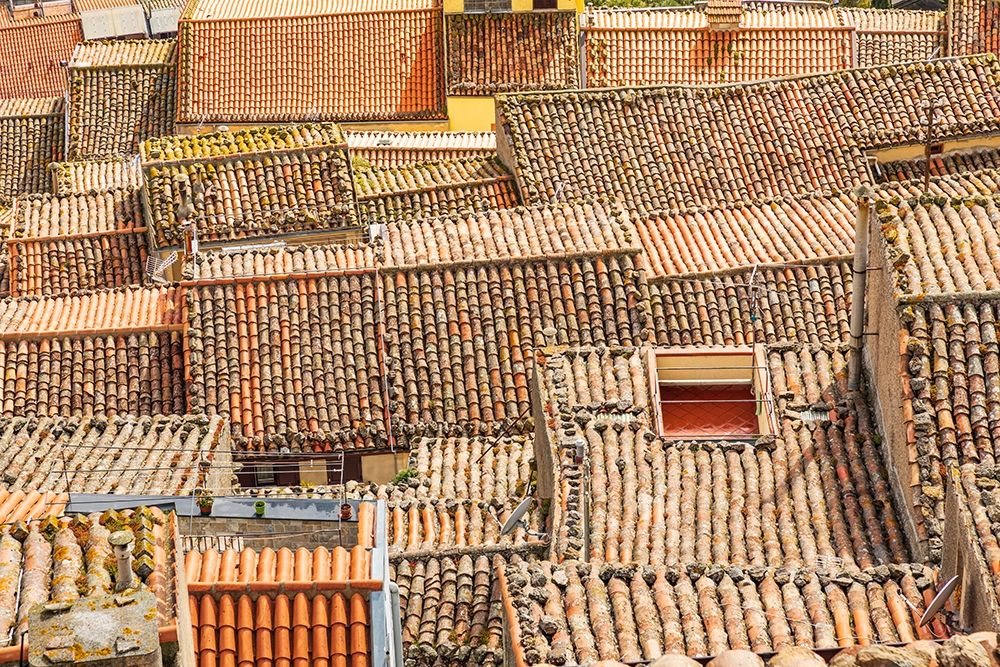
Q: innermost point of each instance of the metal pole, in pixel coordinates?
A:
(860, 270)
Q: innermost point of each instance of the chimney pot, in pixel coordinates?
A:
(121, 543)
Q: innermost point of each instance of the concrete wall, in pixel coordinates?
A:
(961, 555)
(884, 365)
(381, 468)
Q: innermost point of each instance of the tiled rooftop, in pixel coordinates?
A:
(671, 148)
(807, 304)
(670, 46)
(480, 469)
(975, 27)
(429, 527)
(309, 61)
(258, 182)
(63, 559)
(581, 613)
(241, 363)
(115, 455)
(433, 189)
(120, 93)
(494, 53)
(451, 611)
(32, 50)
(940, 247)
(886, 36)
(85, 176)
(952, 163)
(69, 243)
(31, 137)
(701, 241)
(397, 149)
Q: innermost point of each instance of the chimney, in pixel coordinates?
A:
(723, 15)
(121, 543)
(859, 284)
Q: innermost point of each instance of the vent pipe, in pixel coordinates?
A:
(121, 543)
(860, 271)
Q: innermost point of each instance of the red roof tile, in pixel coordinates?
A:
(121, 92)
(672, 148)
(673, 46)
(886, 36)
(579, 613)
(712, 240)
(62, 244)
(974, 27)
(306, 61)
(940, 247)
(31, 137)
(154, 455)
(101, 175)
(268, 571)
(433, 189)
(952, 163)
(808, 304)
(20, 505)
(397, 149)
(32, 50)
(257, 182)
(493, 53)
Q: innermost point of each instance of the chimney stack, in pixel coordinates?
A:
(723, 15)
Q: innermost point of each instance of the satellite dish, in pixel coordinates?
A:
(940, 600)
(516, 520)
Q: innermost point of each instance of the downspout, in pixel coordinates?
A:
(860, 279)
(397, 624)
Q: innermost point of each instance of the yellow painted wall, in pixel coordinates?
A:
(471, 114)
(381, 468)
(454, 6)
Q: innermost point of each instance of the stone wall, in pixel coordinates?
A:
(884, 364)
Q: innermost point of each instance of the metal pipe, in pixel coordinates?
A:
(397, 624)
(860, 271)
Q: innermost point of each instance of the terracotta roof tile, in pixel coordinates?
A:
(88, 176)
(633, 614)
(114, 352)
(451, 611)
(397, 149)
(63, 244)
(433, 189)
(712, 240)
(19, 505)
(940, 247)
(886, 36)
(31, 137)
(245, 62)
(671, 46)
(327, 392)
(974, 27)
(129, 309)
(977, 495)
(959, 185)
(492, 53)
(661, 502)
(32, 50)
(670, 148)
(432, 527)
(250, 183)
(157, 455)
(953, 163)
(481, 469)
(807, 304)
(471, 329)
(284, 261)
(265, 570)
(549, 231)
(60, 560)
(120, 93)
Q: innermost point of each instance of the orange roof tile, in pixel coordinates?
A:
(974, 27)
(671, 46)
(269, 61)
(396, 149)
(126, 309)
(84, 176)
(19, 505)
(32, 50)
